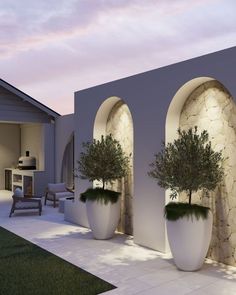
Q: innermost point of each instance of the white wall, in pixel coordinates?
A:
(9, 148)
(149, 96)
(42, 178)
(64, 129)
(65, 126)
(32, 141)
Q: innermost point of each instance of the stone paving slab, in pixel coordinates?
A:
(133, 269)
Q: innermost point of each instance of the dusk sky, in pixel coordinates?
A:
(52, 48)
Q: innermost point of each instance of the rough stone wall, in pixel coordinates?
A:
(211, 107)
(120, 125)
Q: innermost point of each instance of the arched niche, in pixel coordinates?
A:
(103, 112)
(67, 167)
(174, 111)
(114, 117)
(210, 106)
(176, 105)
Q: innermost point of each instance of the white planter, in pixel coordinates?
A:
(75, 212)
(189, 241)
(103, 219)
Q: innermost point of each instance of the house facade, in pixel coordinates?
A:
(142, 111)
(25, 125)
(146, 109)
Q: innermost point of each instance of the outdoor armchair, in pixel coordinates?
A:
(24, 202)
(56, 191)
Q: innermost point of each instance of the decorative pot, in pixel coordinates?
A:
(189, 240)
(103, 219)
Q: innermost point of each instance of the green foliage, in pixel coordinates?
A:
(103, 160)
(30, 270)
(99, 194)
(175, 210)
(188, 164)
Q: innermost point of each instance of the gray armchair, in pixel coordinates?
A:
(56, 191)
(24, 202)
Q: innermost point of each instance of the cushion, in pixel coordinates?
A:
(57, 187)
(22, 205)
(60, 195)
(18, 193)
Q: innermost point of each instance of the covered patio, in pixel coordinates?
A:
(132, 268)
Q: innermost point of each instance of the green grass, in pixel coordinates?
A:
(26, 269)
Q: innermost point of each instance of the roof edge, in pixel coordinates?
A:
(28, 98)
(155, 69)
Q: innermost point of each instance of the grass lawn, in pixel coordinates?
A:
(26, 269)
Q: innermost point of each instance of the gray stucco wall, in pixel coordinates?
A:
(148, 96)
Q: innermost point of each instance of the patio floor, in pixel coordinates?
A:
(133, 269)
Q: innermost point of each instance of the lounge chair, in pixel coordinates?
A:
(24, 202)
(56, 191)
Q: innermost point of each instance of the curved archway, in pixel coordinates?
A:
(210, 106)
(103, 112)
(67, 166)
(114, 117)
(176, 105)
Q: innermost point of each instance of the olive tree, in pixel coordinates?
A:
(103, 160)
(188, 164)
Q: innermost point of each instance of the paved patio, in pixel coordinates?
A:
(133, 269)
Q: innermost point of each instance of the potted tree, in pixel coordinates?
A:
(188, 165)
(102, 161)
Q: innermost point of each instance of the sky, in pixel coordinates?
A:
(52, 48)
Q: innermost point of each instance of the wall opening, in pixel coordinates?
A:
(211, 107)
(67, 167)
(114, 117)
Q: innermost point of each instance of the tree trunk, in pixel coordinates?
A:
(190, 196)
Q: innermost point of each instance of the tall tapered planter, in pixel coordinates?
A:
(103, 161)
(189, 240)
(103, 218)
(188, 165)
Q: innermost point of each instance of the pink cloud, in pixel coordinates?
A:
(51, 50)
